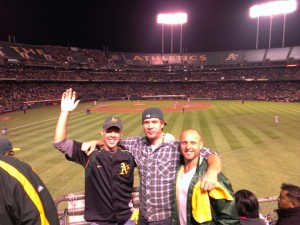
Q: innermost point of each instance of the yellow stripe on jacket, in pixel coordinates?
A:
(29, 189)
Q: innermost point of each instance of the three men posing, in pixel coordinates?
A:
(156, 160)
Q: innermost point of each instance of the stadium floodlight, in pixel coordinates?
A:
(271, 9)
(171, 19)
(176, 18)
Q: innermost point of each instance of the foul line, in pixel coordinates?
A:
(42, 121)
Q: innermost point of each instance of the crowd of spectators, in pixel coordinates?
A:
(63, 55)
(15, 94)
(24, 83)
(59, 74)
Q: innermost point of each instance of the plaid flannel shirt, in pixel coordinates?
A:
(157, 170)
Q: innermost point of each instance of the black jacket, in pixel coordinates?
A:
(24, 198)
(289, 216)
(108, 182)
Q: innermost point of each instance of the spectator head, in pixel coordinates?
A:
(6, 147)
(247, 204)
(112, 132)
(190, 145)
(289, 196)
(153, 124)
(153, 112)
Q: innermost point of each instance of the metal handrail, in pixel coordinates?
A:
(64, 213)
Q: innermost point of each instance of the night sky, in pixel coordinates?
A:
(130, 25)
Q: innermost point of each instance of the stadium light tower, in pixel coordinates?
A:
(171, 19)
(271, 9)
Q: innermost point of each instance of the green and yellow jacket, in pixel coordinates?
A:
(207, 207)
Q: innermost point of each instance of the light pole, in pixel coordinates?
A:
(271, 9)
(270, 33)
(171, 19)
(172, 38)
(180, 39)
(162, 39)
(283, 32)
(257, 29)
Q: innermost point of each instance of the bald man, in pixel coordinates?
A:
(192, 205)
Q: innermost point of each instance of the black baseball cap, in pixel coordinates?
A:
(5, 146)
(112, 121)
(153, 113)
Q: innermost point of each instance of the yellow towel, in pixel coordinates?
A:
(201, 204)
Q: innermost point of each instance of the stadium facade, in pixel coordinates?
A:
(262, 74)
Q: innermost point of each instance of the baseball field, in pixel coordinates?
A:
(257, 153)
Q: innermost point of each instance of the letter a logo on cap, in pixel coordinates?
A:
(113, 121)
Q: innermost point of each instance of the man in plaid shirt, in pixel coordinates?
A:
(157, 163)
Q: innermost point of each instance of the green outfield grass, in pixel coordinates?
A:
(257, 154)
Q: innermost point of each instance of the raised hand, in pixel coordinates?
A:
(68, 102)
